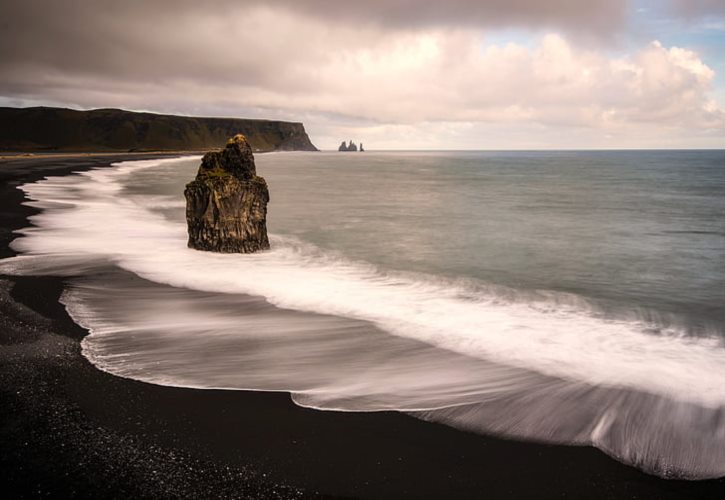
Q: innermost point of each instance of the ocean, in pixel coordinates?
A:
(564, 297)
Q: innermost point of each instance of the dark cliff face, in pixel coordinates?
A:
(58, 129)
(226, 205)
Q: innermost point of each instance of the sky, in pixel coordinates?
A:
(395, 74)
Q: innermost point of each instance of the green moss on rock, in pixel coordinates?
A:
(226, 205)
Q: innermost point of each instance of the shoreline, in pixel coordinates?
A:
(10, 156)
(69, 427)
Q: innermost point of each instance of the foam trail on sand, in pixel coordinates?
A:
(350, 336)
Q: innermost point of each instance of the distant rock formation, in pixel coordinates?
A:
(361, 148)
(349, 147)
(226, 205)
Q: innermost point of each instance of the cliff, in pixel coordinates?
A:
(226, 205)
(59, 129)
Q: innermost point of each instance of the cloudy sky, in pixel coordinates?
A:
(395, 74)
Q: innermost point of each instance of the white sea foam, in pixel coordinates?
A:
(559, 370)
(558, 340)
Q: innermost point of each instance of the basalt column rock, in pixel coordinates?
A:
(226, 205)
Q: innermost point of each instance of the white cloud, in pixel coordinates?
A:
(450, 76)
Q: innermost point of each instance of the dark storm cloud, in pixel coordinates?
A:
(561, 14)
(106, 30)
(109, 35)
(573, 15)
(56, 44)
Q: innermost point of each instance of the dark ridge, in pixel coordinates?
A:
(60, 129)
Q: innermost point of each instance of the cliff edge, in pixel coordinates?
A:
(226, 205)
(112, 130)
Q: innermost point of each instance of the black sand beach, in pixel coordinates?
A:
(70, 430)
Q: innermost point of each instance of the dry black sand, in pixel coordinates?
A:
(70, 430)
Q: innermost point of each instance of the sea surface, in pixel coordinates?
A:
(563, 297)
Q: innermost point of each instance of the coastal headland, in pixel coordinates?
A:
(44, 129)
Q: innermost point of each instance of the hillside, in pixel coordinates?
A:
(60, 129)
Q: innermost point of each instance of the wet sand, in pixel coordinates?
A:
(68, 429)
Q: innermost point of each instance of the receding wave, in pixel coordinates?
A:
(346, 335)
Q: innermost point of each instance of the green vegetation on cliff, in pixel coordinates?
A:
(60, 129)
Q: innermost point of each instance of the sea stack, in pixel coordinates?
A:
(226, 205)
(349, 147)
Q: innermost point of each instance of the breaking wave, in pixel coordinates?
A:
(347, 335)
